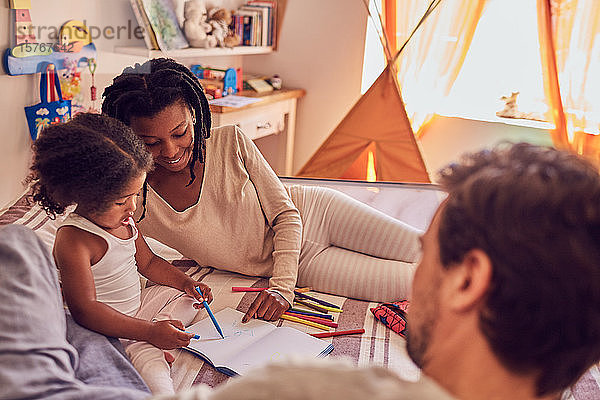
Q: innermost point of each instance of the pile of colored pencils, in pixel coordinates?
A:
(321, 320)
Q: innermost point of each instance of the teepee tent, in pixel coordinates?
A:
(376, 128)
(377, 124)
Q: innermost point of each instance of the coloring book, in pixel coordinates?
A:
(250, 345)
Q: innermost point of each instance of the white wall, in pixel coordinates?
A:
(321, 49)
(19, 91)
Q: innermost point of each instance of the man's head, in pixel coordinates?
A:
(515, 248)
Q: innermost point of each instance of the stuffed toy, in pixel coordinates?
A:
(196, 27)
(220, 19)
(511, 110)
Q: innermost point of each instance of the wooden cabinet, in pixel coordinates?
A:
(275, 115)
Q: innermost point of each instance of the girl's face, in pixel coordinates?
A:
(169, 135)
(120, 210)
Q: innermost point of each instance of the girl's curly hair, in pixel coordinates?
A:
(87, 161)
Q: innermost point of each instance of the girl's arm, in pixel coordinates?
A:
(74, 251)
(160, 271)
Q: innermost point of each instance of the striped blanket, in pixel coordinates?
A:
(378, 345)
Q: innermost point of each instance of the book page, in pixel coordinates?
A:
(281, 342)
(238, 336)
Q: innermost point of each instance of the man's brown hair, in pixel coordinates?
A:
(535, 212)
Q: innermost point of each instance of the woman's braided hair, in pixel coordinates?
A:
(147, 89)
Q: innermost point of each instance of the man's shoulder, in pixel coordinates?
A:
(316, 379)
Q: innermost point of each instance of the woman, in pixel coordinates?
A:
(214, 198)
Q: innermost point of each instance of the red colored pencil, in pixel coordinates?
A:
(321, 321)
(247, 289)
(337, 333)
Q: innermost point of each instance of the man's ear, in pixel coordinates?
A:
(468, 282)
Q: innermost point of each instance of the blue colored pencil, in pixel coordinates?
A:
(193, 337)
(310, 314)
(211, 315)
(322, 302)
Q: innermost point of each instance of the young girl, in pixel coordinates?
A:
(100, 165)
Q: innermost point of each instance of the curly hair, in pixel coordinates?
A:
(87, 161)
(147, 89)
(535, 212)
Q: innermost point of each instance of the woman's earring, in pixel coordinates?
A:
(193, 117)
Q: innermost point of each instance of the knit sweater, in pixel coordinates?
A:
(244, 220)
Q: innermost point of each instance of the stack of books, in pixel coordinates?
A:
(256, 23)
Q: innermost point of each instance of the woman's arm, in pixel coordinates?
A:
(284, 219)
(160, 271)
(73, 251)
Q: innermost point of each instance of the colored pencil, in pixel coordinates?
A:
(211, 315)
(314, 319)
(193, 337)
(313, 306)
(305, 322)
(322, 302)
(337, 333)
(303, 290)
(332, 309)
(247, 289)
(189, 333)
(310, 314)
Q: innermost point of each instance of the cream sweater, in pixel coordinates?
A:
(244, 220)
(318, 379)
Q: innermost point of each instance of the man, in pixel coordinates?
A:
(505, 299)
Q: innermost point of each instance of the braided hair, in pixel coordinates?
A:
(147, 89)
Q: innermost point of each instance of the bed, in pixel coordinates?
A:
(412, 203)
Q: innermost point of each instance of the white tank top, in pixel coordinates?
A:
(115, 275)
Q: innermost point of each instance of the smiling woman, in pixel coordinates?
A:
(214, 198)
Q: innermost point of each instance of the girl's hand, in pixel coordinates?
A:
(190, 289)
(169, 334)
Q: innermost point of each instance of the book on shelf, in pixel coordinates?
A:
(163, 22)
(256, 23)
(271, 7)
(250, 345)
(263, 24)
(144, 23)
(252, 25)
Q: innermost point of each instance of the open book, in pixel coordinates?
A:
(250, 345)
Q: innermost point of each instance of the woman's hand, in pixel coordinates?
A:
(168, 334)
(190, 289)
(268, 306)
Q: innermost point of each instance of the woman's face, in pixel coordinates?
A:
(169, 135)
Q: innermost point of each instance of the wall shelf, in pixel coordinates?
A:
(193, 52)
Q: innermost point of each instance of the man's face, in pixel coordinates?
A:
(424, 308)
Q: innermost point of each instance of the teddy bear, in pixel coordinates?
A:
(220, 19)
(196, 27)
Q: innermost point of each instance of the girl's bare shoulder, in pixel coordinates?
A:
(71, 239)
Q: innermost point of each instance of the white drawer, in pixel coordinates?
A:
(262, 124)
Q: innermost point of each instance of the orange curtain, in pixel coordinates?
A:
(569, 32)
(430, 63)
